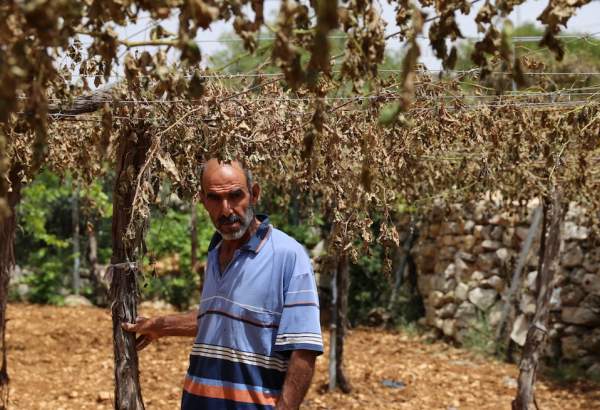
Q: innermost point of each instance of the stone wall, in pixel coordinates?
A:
(466, 256)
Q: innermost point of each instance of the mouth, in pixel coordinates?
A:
(230, 224)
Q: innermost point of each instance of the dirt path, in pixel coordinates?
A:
(61, 358)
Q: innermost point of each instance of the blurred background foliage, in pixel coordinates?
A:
(45, 254)
(577, 68)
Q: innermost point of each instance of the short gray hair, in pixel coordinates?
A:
(247, 174)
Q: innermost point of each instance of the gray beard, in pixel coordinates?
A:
(245, 224)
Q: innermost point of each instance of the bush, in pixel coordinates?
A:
(43, 243)
(180, 291)
(169, 239)
(46, 282)
(480, 338)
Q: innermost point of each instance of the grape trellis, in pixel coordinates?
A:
(412, 138)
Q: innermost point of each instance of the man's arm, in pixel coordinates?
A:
(150, 329)
(297, 379)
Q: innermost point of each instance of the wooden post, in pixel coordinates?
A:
(538, 331)
(343, 286)
(85, 103)
(8, 225)
(132, 153)
(76, 238)
(516, 279)
(333, 331)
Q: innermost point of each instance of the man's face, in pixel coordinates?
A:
(227, 200)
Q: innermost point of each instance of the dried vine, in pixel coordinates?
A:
(441, 144)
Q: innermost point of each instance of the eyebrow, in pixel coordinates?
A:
(234, 191)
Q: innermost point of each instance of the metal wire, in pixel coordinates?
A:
(461, 107)
(219, 76)
(574, 92)
(475, 71)
(516, 39)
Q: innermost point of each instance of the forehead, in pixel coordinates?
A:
(223, 176)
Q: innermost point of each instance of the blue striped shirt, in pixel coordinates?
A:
(251, 316)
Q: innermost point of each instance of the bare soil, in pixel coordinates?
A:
(61, 358)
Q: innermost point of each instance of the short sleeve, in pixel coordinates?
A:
(299, 327)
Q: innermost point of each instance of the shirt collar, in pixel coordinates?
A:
(255, 241)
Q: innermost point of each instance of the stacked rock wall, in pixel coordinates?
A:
(466, 257)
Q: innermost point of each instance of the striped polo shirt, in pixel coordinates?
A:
(252, 315)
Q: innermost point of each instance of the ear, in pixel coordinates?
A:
(255, 194)
(202, 198)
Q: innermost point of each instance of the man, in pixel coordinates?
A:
(257, 329)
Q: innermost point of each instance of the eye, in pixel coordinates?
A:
(212, 196)
(237, 194)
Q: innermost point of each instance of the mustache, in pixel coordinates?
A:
(229, 219)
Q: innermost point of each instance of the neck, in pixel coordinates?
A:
(234, 244)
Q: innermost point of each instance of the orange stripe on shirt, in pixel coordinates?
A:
(228, 393)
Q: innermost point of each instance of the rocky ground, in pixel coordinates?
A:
(61, 358)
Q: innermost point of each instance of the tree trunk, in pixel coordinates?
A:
(537, 334)
(333, 332)
(341, 318)
(194, 236)
(8, 226)
(516, 278)
(76, 239)
(131, 155)
(98, 289)
(400, 259)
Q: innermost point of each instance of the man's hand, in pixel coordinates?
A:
(297, 379)
(150, 329)
(146, 328)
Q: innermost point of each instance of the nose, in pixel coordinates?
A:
(226, 208)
